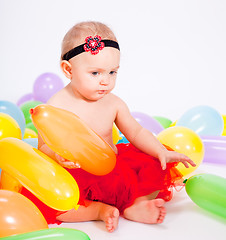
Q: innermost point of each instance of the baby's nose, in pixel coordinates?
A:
(104, 81)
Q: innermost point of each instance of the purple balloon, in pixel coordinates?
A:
(46, 85)
(25, 98)
(148, 122)
(215, 149)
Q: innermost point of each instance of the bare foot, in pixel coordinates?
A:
(94, 211)
(110, 216)
(146, 211)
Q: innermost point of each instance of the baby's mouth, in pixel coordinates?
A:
(102, 91)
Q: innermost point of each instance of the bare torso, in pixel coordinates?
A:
(98, 115)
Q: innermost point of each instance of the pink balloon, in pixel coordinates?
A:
(46, 85)
(148, 122)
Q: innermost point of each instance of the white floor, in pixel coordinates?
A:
(184, 220)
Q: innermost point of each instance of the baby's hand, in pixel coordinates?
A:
(66, 163)
(171, 156)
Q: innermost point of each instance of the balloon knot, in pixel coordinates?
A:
(31, 111)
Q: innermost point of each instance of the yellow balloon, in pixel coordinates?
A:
(29, 133)
(9, 127)
(186, 141)
(224, 130)
(8, 182)
(41, 175)
(173, 124)
(115, 134)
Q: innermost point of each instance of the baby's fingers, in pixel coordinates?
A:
(68, 164)
(163, 163)
(191, 162)
(188, 161)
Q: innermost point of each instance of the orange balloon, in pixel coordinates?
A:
(18, 214)
(67, 135)
(8, 182)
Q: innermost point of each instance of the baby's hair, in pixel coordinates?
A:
(77, 34)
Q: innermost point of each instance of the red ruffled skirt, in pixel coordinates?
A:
(136, 174)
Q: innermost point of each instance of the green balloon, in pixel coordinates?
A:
(51, 234)
(31, 126)
(26, 109)
(208, 191)
(165, 122)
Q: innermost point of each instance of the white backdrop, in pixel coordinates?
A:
(173, 52)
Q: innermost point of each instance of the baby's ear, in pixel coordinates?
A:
(66, 68)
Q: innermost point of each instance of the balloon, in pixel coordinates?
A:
(26, 109)
(46, 85)
(173, 124)
(32, 141)
(123, 139)
(215, 149)
(25, 98)
(18, 214)
(68, 136)
(115, 134)
(165, 122)
(29, 133)
(51, 234)
(41, 175)
(9, 127)
(148, 122)
(9, 183)
(224, 130)
(186, 141)
(204, 120)
(208, 191)
(15, 112)
(31, 126)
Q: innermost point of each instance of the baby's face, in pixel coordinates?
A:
(94, 76)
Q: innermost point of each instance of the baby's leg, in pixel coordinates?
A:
(94, 211)
(146, 210)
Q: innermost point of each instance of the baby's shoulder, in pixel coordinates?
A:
(114, 99)
(59, 98)
(116, 103)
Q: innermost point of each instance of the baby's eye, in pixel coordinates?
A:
(95, 73)
(112, 72)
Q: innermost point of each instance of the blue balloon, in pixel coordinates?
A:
(204, 120)
(123, 138)
(15, 112)
(32, 141)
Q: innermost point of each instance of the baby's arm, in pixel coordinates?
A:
(62, 161)
(144, 140)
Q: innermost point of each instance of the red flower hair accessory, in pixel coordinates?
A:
(93, 44)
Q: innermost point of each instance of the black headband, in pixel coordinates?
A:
(91, 44)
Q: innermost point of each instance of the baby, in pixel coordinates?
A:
(138, 185)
